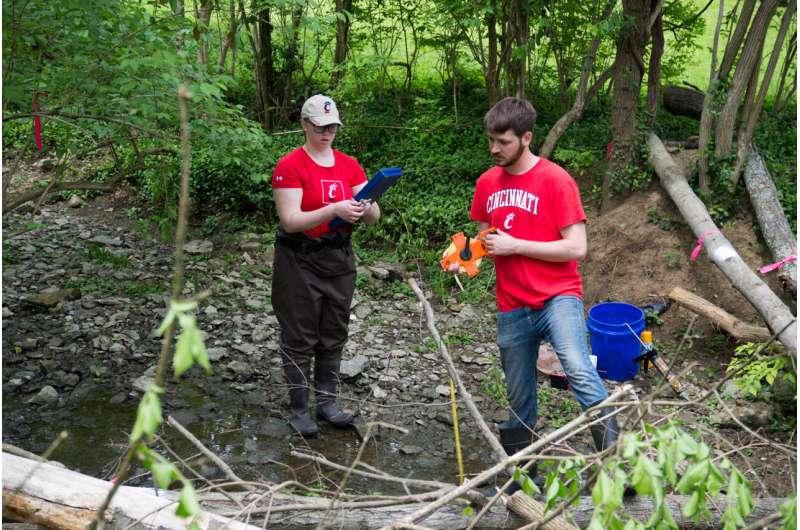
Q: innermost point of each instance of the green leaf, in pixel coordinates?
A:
(643, 475)
(166, 323)
(602, 490)
(693, 475)
(552, 491)
(187, 504)
(163, 473)
(148, 416)
(690, 510)
(183, 358)
(183, 307)
(199, 350)
(468, 511)
(529, 487)
(517, 474)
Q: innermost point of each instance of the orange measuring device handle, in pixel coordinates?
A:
(466, 252)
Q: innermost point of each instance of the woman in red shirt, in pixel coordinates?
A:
(314, 271)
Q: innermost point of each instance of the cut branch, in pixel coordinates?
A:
(736, 328)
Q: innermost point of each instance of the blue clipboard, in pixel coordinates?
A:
(380, 182)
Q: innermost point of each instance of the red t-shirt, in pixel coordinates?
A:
(320, 185)
(535, 206)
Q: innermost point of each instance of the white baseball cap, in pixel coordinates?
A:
(320, 110)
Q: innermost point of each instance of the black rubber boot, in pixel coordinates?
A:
(298, 373)
(514, 440)
(326, 379)
(606, 432)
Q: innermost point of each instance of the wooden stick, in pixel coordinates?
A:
(206, 451)
(736, 328)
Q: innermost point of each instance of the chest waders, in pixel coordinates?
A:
(312, 287)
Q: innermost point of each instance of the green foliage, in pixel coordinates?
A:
(164, 473)
(493, 386)
(148, 415)
(758, 369)
(789, 513)
(663, 221)
(102, 256)
(574, 160)
(522, 478)
(563, 482)
(190, 348)
(555, 406)
(649, 463)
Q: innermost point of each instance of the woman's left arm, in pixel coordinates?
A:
(372, 213)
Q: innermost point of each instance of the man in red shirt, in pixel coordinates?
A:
(541, 234)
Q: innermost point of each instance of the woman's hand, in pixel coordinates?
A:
(349, 210)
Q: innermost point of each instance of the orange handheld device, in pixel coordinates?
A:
(466, 252)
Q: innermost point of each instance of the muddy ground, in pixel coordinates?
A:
(84, 288)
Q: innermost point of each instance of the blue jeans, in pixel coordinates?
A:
(519, 333)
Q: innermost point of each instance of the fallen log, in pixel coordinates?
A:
(771, 219)
(75, 494)
(736, 328)
(684, 101)
(774, 312)
(64, 499)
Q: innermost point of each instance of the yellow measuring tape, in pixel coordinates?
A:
(455, 432)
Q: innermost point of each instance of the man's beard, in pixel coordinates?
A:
(513, 160)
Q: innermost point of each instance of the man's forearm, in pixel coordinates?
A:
(556, 251)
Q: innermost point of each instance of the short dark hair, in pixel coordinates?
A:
(510, 113)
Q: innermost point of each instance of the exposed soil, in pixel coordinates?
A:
(91, 357)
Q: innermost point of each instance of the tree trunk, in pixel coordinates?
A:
(749, 126)
(787, 63)
(265, 67)
(723, 138)
(521, 32)
(203, 16)
(51, 487)
(491, 76)
(769, 306)
(60, 498)
(344, 9)
(735, 327)
(291, 63)
(707, 115)
(230, 38)
(684, 101)
(752, 88)
(628, 72)
(771, 218)
(654, 70)
(735, 40)
(581, 99)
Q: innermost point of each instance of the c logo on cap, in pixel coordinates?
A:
(327, 107)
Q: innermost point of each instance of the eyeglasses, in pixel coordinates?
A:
(320, 129)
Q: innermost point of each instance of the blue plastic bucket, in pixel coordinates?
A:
(613, 342)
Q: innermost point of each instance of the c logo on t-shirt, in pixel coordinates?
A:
(507, 222)
(332, 191)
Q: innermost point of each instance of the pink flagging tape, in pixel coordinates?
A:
(777, 265)
(696, 251)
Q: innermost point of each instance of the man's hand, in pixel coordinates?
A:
(501, 244)
(455, 268)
